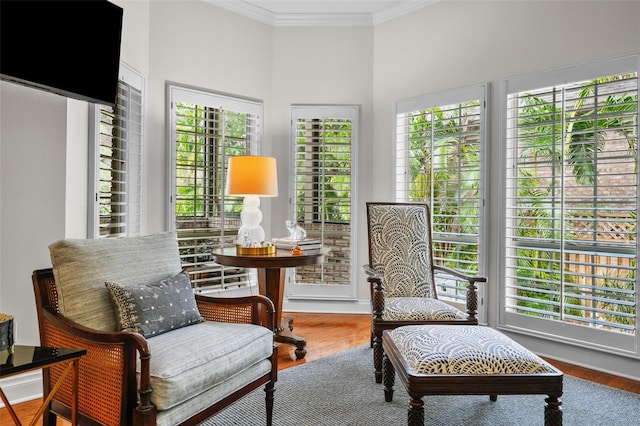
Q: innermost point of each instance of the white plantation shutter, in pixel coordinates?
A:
(206, 129)
(115, 188)
(439, 146)
(571, 203)
(323, 195)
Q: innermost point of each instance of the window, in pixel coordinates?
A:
(571, 203)
(115, 187)
(440, 140)
(206, 129)
(324, 140)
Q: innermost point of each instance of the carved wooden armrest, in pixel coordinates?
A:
(472, 293)
(372, 275)
(376, 287)
(471, 279)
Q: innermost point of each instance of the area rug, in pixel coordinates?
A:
(340, 390)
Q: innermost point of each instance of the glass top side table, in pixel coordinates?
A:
(23, 358)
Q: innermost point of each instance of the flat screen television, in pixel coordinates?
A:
(71, 48)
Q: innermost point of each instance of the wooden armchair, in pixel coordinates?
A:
(125, 378)
(401, 274)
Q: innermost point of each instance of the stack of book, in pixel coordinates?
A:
(289, 243)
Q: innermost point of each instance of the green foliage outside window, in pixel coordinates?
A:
(444, 170)
(206, 138)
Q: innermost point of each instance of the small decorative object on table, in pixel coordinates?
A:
(6, 332)
(297, 240)
(296, 232)
(261, 250)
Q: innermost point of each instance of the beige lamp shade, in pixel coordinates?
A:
(252, 175)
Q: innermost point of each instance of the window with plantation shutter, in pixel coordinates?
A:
(571, 225)
(440, 140)
(323, 193)
(206, 129)
(115, 187)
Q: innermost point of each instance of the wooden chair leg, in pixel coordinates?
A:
(269, 397)
(552, 411)
(377, 357)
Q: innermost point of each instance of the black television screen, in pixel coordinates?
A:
(71, 48)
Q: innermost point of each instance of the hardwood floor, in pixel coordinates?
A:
(327, 334)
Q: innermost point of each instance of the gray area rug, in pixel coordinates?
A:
(340, 390)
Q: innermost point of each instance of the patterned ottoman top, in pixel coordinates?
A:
(461, 349)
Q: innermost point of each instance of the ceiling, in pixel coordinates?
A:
(296, 13)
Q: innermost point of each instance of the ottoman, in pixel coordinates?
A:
(465, 360)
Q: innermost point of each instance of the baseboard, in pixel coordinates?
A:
(22, 387)
(327, 306)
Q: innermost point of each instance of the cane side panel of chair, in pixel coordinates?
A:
(101, 370)
(242, 314)
(400, 249)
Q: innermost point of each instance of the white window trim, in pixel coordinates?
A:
(561, 332)
(326, 291)
(180, 93)
(133, 78)
(449, 97)
(200, 97)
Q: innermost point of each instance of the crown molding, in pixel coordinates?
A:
(245, 9)
(400, 10)
(265, 16)
(323, 20)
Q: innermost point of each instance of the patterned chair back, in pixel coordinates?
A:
(400, 248)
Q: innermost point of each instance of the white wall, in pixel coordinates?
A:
(446, 45)
(32, 204)
(32, 186)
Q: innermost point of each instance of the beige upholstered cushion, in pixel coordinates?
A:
(81, 268)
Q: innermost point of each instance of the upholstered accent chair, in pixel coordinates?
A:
(402, 275)
(157, 354)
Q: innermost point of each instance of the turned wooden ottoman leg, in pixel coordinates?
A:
(416, 412)
(389, 377)
(552, 411)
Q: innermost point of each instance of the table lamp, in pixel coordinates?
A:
(252, 176)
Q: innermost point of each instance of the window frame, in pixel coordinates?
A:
(206, 276)
(400, 189)
(135, 137)
(577, 335)
(325, 291)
